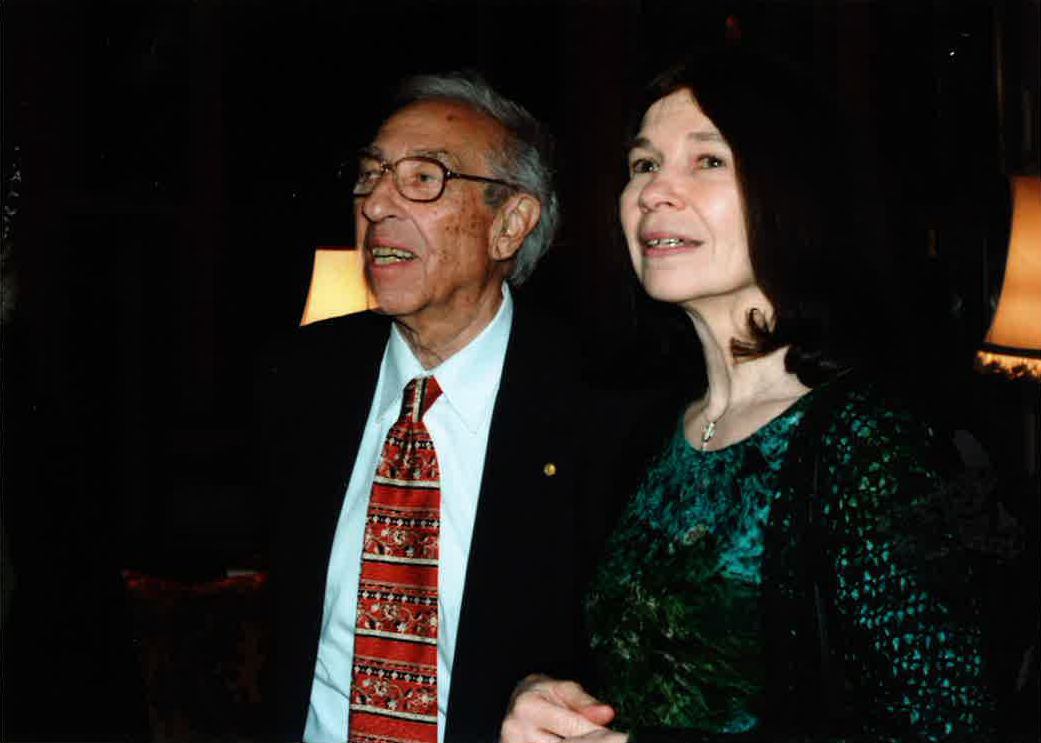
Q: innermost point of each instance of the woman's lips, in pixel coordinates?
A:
(666, 244)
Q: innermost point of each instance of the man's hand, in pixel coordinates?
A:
(544, 710)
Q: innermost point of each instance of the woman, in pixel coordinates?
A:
(781, 573)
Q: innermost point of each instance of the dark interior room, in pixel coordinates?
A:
(169, 169)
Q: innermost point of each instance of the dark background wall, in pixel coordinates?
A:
(169, 169)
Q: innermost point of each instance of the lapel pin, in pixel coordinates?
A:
(550, 469)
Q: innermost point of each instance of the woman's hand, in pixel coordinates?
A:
(603, 735)
(544, 710)
(598, 736)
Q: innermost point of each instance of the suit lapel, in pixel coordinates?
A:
(515, 500)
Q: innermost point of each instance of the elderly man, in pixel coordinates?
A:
(421, 464)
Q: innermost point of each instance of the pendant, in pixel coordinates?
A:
(708, 433)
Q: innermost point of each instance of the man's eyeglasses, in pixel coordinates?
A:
(416, 178)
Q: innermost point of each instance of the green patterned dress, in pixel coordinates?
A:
(676, 609)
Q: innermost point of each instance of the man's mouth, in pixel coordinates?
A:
(383, 256)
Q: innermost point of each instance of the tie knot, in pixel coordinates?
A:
(420, 394)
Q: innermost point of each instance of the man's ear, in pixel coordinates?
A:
(516, 219)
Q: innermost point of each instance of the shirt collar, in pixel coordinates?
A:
(469, 378)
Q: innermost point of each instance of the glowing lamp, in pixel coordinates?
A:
(337, 285)
(1013, 344)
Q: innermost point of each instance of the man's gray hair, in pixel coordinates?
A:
(525, 159)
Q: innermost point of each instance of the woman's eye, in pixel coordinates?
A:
(707, 162)
(642, 165)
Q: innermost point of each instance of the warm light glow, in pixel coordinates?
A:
(1015, 367)
(1013, 344)
(337, 285)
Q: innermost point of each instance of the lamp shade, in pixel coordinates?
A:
(337, 285)
(1013, 343)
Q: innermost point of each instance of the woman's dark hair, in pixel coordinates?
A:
(815, 215)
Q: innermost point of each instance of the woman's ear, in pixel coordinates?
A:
(516, 219)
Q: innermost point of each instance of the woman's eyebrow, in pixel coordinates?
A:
(641, 143)
(707, 135)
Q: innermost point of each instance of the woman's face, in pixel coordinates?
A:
(682, 210)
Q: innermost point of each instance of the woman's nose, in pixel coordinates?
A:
(660, 193)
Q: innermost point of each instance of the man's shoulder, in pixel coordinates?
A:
(358, 324)
(330, 347)
(538, 329)
(543, 347)
(356, 331)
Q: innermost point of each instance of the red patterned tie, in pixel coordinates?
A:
(394, 684)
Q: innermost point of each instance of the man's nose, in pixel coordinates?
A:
(382, 202)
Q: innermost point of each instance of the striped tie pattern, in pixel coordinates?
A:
(394, 680)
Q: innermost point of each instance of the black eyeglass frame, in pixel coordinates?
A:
(450, 174)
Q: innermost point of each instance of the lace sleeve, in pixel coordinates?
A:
(905, 617)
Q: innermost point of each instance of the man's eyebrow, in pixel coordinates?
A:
(441, 155)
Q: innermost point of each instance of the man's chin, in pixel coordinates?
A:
(393, 304)
(392, 296)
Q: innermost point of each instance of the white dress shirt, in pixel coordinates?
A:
(458, 423)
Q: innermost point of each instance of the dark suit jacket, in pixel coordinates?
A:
(532, 542)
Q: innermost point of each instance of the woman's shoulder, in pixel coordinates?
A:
(859, 425)
(865, 410)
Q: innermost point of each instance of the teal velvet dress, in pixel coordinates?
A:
(676, 609)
